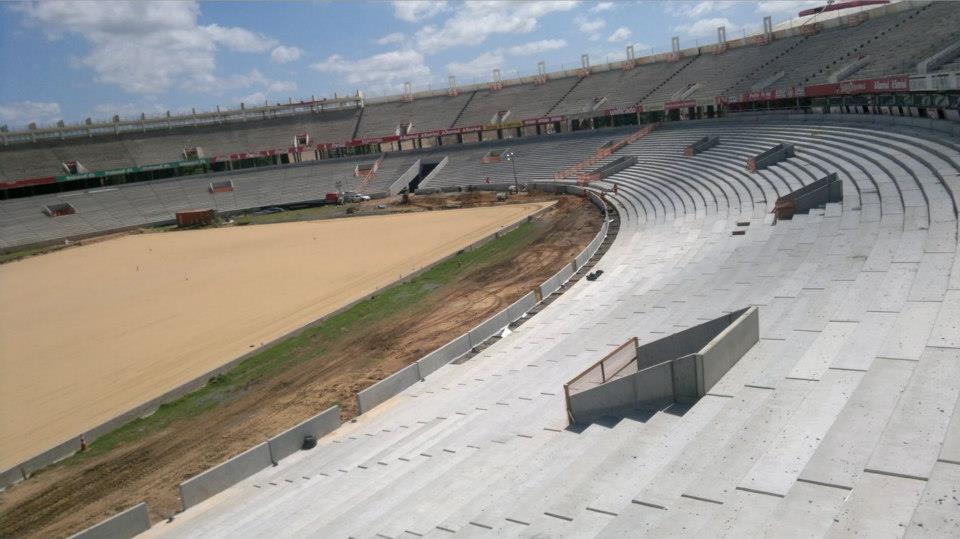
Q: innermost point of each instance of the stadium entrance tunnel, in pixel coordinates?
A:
(679, 368)
(426, 167)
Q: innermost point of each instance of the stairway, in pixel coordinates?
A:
(564, 96)
(465, 105)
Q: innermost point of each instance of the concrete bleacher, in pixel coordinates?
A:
(535, 158)
(815, 58)
(103, 153)
(879, 46)
(842, 420)
(919, 36)
(22, 221)
(426, 114)
(618, 88)
(522, 100)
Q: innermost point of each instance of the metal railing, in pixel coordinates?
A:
(611, 367)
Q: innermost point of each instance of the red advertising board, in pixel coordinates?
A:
(24, 183)
(900, 83)
(670, 105)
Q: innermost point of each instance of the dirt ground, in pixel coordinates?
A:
(65, 499)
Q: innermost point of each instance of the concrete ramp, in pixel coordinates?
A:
(679, 368)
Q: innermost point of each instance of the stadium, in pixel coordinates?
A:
(713, 291)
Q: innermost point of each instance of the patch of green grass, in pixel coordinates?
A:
(305, 214)
(24, 253)
(406, 297)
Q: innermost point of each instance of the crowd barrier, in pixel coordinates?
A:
(125, 525)
(225, 475)
(290, 441)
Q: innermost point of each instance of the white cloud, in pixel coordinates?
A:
(474, 21)
(284, 55)
(24, 112)
(396, 37)
(536, 47)
(239, 39)
(700, 9)
(620, 34)
(417, 10)
(144, 47)
(590, 26)
(480, 66)
(385, 71)
(601, 6)
(790, 7)
(707, 27)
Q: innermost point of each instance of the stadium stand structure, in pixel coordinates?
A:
(842, 418)
(889, 40)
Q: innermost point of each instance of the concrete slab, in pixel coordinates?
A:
(819, 355)
(933, 277)
(778, 468)
(734, 460)
(938, 513)
(859, 351)
(845, 449)
(911, 441)
(807, 511)
(946, 330)
(950, 451)
(908, 336)
(879, 506)
(892, 293)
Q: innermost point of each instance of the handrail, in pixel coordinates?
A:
(633, 341)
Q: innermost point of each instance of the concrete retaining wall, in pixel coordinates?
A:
(129, 523)
(521, 306)
(726, 349)
(488, 328)
(443, 355)
(291, 441)
(404, 179)
(223, 476)
(554, 283)
(388, 387)
(679, 368)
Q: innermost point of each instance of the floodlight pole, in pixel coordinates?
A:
(516, 183)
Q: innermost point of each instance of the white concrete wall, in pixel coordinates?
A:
(129, 523)
(388, 387)
(225, 475)
(726, 349)
(291, 440)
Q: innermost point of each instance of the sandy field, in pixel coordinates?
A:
(90, 332)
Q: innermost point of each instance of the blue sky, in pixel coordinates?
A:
(77, 59)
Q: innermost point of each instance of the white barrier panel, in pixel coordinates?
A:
(129, 523)
(291, 441)
(441, 356)
(488, 328)
(521, 306)
(387, 388)
(223, 476)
